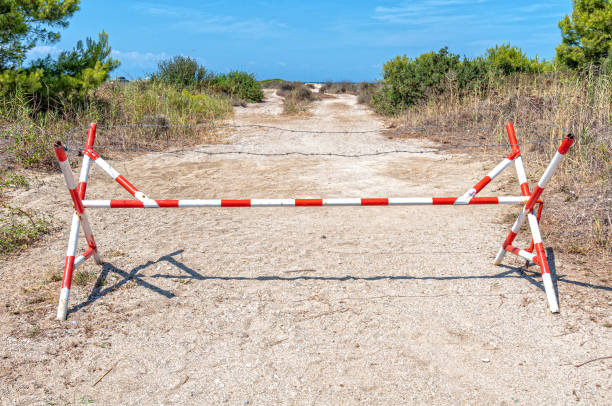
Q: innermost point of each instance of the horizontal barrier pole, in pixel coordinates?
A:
(391, 201)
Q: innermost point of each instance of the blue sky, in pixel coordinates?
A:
(308, 40)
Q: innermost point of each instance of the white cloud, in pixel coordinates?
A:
(425, 12)
(138, 59)
(42, 51)
(197, 20)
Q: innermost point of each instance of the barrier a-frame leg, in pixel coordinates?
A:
(539, 258)
(79, 219)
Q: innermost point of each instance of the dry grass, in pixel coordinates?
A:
(542, 107)
(363, 90)
(297, 100)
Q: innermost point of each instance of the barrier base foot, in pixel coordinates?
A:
(62, 307)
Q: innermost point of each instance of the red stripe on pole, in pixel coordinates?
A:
(59, 152)
(512, 138)
(309, 202)
(375, 202)
(236, 203)
(525, 189)
(125, 204)
(444, 200)
(68, 267)
(88, 253)
(82, 188)
(483, 182)
(512, 249)
(91, 135)
(91, 153)
(534, 198)
(126, 185)
(509, 239)
(515, 251)
(167, 203)
(78, 203)
(566, 144)
(542, 257)
(91, 242)
(484, 200)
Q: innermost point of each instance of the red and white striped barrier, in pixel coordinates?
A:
(527, 199)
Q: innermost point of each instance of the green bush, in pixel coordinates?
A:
(402, 88)
(408, 82)
(182, 72)
(238, 84)
(507, 59)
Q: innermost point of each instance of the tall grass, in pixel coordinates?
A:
(26, 134)
(543, 106)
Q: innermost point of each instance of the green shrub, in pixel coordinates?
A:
(508, 59)
(182, 72)
(402, 87)
(407, 81)
(238, 84)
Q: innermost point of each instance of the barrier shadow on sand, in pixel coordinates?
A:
(100, 289)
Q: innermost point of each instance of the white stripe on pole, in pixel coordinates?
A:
(466, 197)
(62, 307)
(512, 199)
(342, 202)
(535, 229)
(410, 201)
(149, 203)
(96, 204)
(500, 256)
(527, 255)
(74, 235)
(499, 168)
(200, 203)
(553, 305)
(85, 169)
(67, 172)
(272, 202)
(86, 227)
(550, 170)
(520, 170)
(107, 168)
(519, 222)
(78, 261)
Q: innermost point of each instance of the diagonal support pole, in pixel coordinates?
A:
(147, 202)
(82, 186)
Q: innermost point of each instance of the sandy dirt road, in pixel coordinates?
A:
(308, 306)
